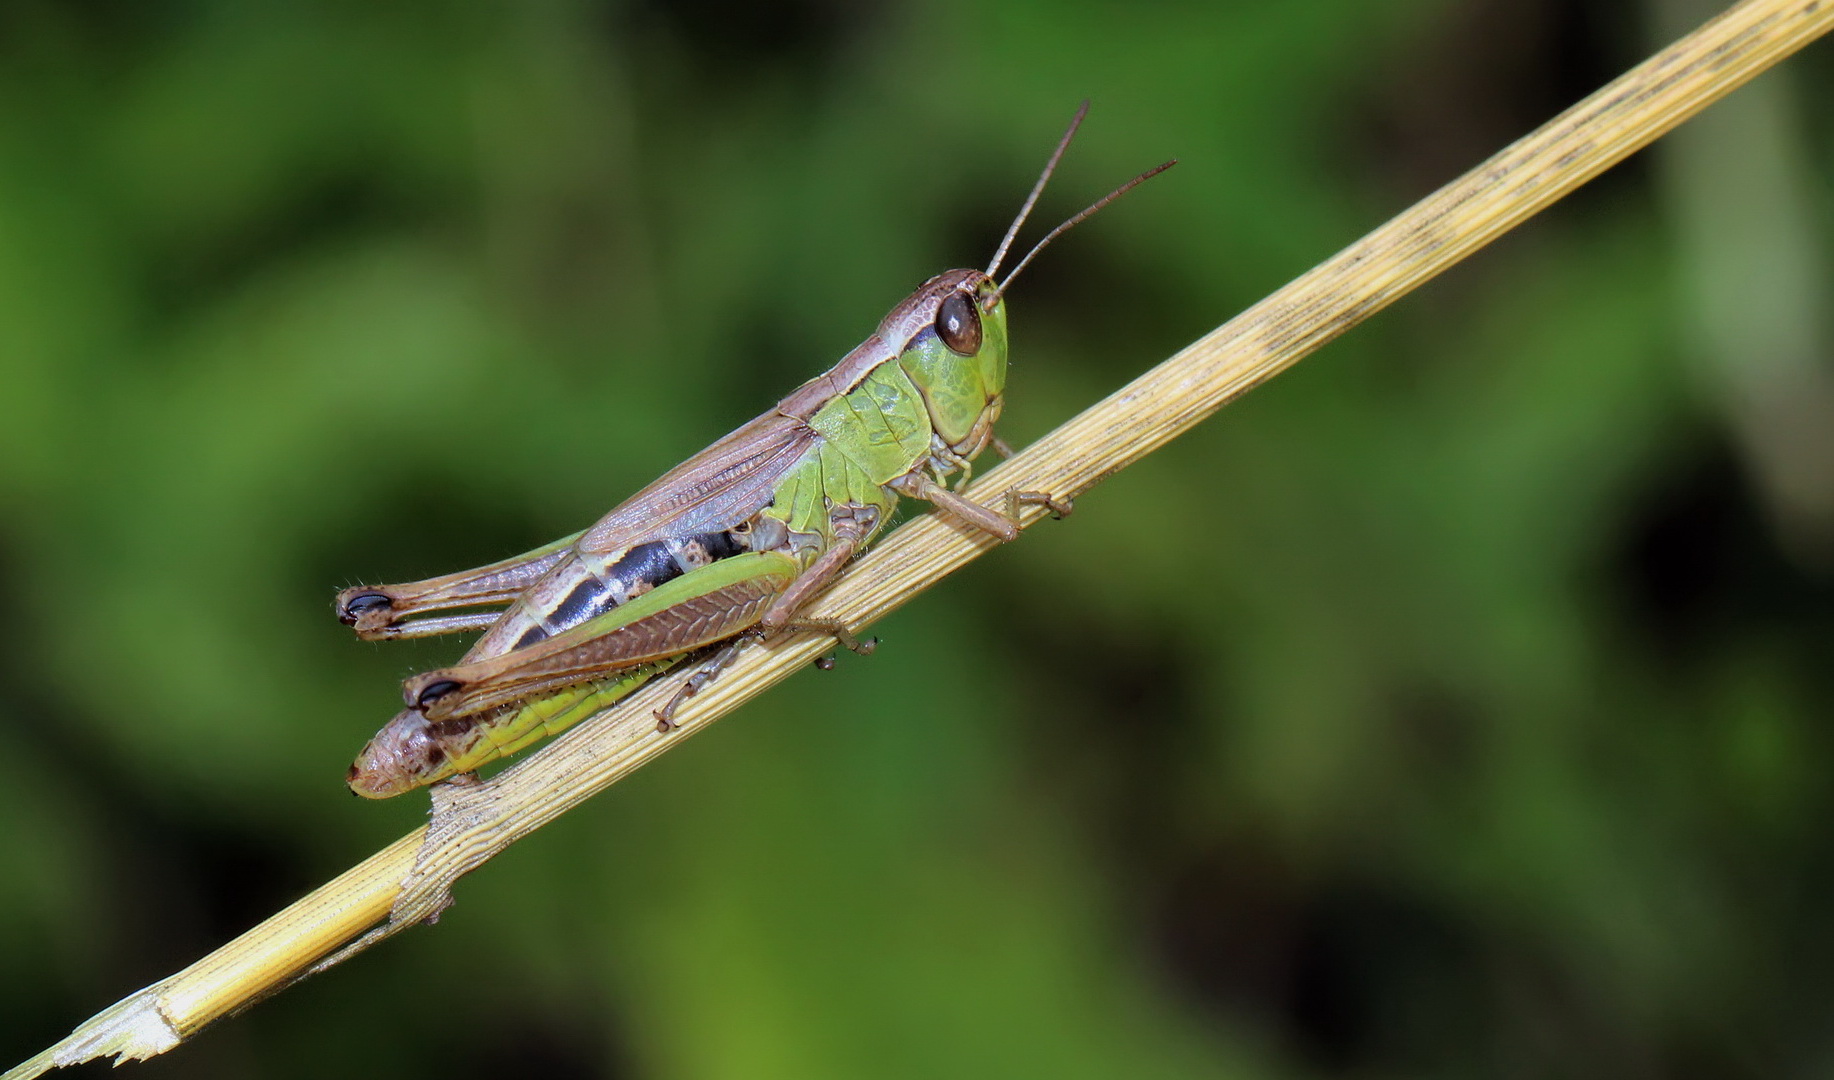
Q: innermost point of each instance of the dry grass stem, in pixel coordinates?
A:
(409, 881)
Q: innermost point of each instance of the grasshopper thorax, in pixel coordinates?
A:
(957, 356)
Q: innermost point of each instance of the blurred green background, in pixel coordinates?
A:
(1457, 705)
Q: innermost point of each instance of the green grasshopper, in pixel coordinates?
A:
(731, 543)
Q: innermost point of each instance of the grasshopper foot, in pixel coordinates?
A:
(840, 632)
(665, 716)
(1059, 507)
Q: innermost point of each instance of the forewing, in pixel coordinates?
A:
(714, 490)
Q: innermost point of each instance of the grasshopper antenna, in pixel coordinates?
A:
(1038, 188)
(1000, 290)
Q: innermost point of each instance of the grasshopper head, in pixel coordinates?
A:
(956, 349)
(958, 359)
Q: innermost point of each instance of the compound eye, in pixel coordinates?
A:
(958, 324)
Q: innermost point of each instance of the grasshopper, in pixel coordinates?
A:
(730, 544)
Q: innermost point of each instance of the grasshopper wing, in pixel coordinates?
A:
(711, 491)
(694, 610)
(708, 494)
